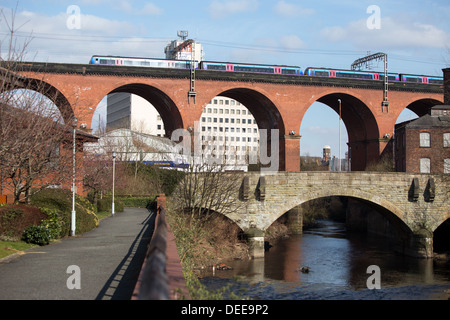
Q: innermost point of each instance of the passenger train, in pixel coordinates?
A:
(260, 68)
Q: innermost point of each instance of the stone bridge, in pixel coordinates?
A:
(413, 204)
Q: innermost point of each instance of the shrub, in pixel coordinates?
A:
(61, 201)
(136, 202)
(105, 204)
(54, 222)
(39, 235)
(14, 219)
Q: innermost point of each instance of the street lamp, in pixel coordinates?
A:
(339, 157)
(114, 172)
(73, 216)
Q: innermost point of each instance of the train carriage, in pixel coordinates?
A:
(254, 68)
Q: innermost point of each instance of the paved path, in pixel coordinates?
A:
(109, 260)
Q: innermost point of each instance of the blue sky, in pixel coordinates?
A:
(414, 34)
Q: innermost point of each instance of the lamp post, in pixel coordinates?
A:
(114, 172)
(339, 157)
(73, 215)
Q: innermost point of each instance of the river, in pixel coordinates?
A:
(338, 269)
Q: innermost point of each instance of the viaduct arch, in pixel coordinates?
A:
(276, 101)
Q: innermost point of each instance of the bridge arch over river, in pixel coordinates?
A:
(417, 204)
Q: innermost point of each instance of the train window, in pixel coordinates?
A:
(106, 61)
(412, 79)
(216, 67)
(288, 71)
(353, 75)
(253, 69)
(435, 81)
(320, 73)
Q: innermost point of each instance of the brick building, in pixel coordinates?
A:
(423, 145)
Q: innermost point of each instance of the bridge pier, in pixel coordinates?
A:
(295, 220)
(421, 244)
(256, 241)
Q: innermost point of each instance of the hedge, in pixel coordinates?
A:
(61, 201)
(137, 202)
(105, 204)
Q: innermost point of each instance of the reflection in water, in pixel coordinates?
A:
(338, 269)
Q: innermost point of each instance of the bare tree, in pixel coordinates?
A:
(206, 186)
(32, 133)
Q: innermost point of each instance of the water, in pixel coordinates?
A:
(338, 264)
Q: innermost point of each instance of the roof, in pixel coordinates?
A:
(428, 121)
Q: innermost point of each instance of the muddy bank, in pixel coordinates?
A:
(225, 241)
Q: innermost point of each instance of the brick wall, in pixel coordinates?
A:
(446, 86)
(436, 152)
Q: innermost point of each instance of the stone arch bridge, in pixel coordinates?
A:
(414, 204)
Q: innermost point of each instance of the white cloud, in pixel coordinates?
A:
(221, 9)
(52, 40)
(291, 42)
(291, 10)
(148, 9)
(394, 33)
(151, 9)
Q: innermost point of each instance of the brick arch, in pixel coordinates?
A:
(421, 107)
(265, 112)
(361, 124)
(166, 107)
(53, 94)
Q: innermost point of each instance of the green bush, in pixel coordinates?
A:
(39, 235)
(136, 202)
(105, 204)
(61, 201)
(54, 222)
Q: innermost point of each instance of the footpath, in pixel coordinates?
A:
(105, 262)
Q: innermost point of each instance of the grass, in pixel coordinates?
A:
(10, 247)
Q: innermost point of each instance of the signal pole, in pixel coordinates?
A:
(356, 65)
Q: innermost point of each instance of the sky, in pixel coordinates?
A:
(322, 33)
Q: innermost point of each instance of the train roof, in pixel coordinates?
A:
(126, 57)
(251, 64)
(365, 71)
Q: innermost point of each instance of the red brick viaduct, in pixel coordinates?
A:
(276, 101)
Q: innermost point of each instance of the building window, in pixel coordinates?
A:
(424, 140)
(447, 165)
(425, 165)
(446, 140)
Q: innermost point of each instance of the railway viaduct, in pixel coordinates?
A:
(276, 101)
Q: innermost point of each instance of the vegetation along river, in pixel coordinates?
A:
(338, 263)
